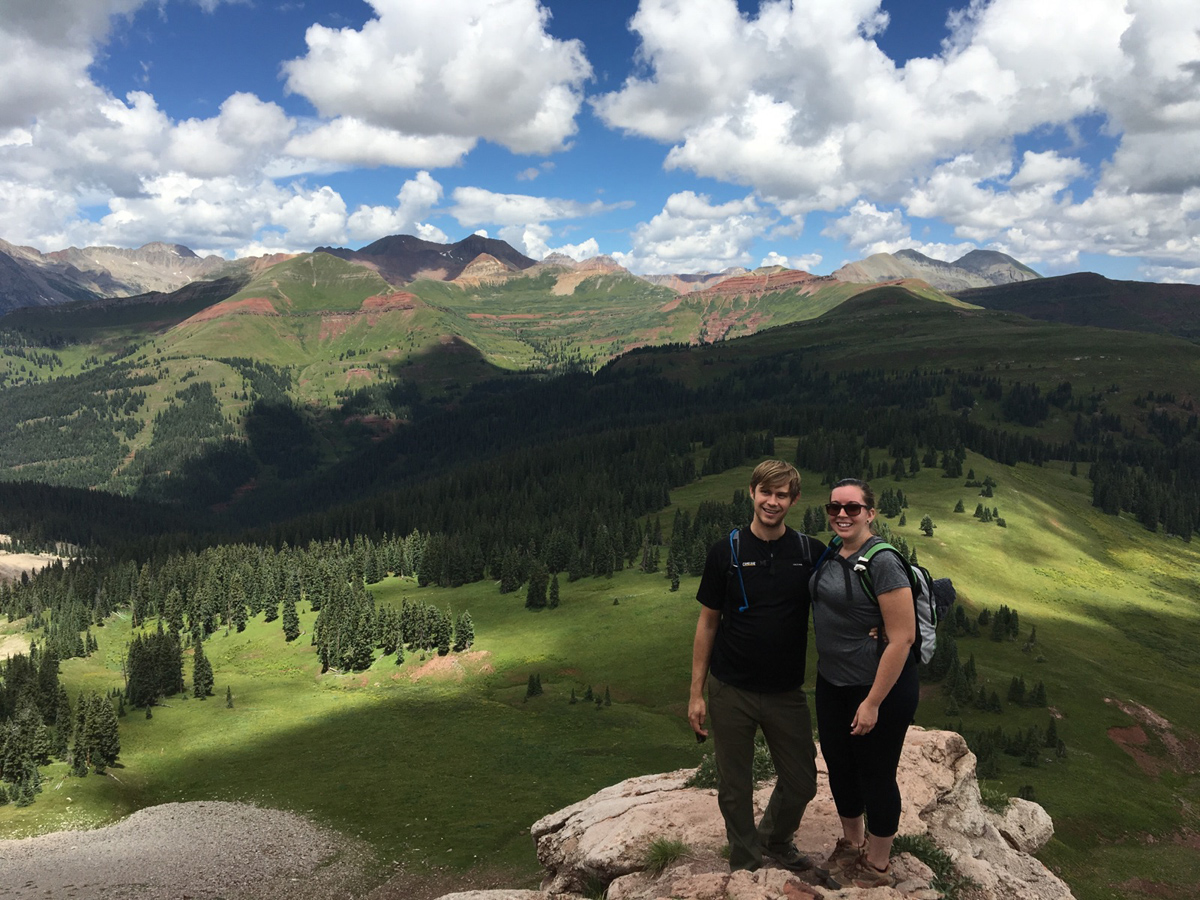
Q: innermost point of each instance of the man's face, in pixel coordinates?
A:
(771, 504)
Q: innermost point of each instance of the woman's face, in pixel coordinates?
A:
(850, 528)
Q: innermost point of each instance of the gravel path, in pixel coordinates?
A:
(188, 850)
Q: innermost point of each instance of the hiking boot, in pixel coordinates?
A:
(861, 874)
(793, 860)
(844, 855)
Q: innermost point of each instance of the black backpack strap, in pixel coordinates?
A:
(806, 542)
(829, 550)
(735, 543)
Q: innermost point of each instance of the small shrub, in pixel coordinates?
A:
(946, 878)
(662, 852)
(993, 797)
(705, 775)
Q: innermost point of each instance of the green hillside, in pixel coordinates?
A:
(261, 453)
(463, 749)
(332, 339)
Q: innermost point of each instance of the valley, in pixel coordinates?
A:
(483, 445)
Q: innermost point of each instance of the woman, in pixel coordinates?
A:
(865, 698)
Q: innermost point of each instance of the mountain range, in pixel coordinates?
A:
(977, 269)
(31, 278)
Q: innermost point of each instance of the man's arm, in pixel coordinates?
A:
(706, 636)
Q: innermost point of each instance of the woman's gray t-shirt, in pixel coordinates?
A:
(844, 614)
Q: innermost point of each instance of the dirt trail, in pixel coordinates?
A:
(207, 849)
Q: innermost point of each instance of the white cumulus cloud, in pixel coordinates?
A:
(694, 234)
(465, 69)
(476, 206)
(798, 102)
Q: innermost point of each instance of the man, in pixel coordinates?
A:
(750, 645)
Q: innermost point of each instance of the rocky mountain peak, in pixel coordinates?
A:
(979, 268)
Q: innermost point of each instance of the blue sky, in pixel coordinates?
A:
(673, 135)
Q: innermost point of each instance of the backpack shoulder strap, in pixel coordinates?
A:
(830, 549)
(862, 566)
(807, 542)
(735, 544)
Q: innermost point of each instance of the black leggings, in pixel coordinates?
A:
(862, 768)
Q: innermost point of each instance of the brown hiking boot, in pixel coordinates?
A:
(861, 874)
(845, 852)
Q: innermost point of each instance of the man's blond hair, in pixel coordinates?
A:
(773, 474)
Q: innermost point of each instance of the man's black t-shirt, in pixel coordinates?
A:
(761, 647)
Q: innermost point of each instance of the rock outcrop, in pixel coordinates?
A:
(979, 268)
(604, 840)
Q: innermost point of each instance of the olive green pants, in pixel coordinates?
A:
(786, 724)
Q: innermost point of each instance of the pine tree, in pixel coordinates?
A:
(443, 632)
(464, 631)
(927, 526)
(79, 747)
(202, 671)
(291, 620)
(104, 740)
(554, 594)
(959, 507)
(1016, 691)
(173, 610)
(63, 723)
(535, 594)
(228, 697)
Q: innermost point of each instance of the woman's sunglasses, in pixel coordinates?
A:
(852, 509)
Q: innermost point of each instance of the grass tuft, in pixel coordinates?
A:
(662, 852)
(994, 798)
(946, 878)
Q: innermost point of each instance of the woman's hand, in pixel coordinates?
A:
(865, 718)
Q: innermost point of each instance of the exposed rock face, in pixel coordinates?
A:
(997, 268)
(685, 283)
(766, 281)
(31, 278)
(603, 840)
(569, 273)
(979, 268)
(483, 269)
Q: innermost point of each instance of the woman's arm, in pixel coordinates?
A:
(900, 626)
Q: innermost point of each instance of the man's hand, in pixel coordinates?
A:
(706, 635)
(697, 710)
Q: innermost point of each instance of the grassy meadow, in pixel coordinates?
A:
(442, 763)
